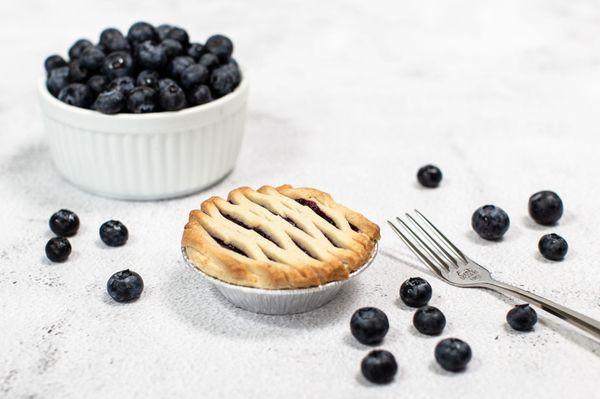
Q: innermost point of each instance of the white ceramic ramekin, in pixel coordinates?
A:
(279, 302)
(150, 156)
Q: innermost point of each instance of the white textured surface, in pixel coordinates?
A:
(351, 97)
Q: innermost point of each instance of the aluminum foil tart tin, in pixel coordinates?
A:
(279, 302)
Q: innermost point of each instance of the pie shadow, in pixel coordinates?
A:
(198, 303)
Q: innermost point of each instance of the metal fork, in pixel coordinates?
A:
(454, 267)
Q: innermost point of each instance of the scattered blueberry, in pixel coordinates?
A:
(178, 64)
(151, 56)
(114, 233)
(195, 50)
(172, 48)
(141, 100)
(64, 223)
(58, 79)
(53, 62)
(77, 73)
(78, 47)
(220, 46)
(97, 83)
(148, 78)
(379, 367)
(162, 31)
(91, 58)
(415, 292)
(124, 84)
(545, 207)
(429, 320)
(429, 176)
(112, 39)
(553, 247)
(110, 102)
(140, 32)
(490, 222)
(77, 94)
(117, 64)
(193, 75)
(224, 79)
(453, 354)
(58, 249)
(176, 33)
(199, 95)
(172, 98)
(209, 60)
(522, 317)
(125, 286)
(369, 325)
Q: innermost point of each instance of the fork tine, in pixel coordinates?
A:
(443, 237)
(424, 245)
(435, 242)
(416, 250)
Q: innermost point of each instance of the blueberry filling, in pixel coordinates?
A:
(229, 246)
(256, 229)
(315, 208)
(354, 228)
(290, 221)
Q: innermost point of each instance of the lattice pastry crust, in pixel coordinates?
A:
(278, 238)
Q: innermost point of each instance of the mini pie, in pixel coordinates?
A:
(278, 238)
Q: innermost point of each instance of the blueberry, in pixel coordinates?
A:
(77, 94)
(97, 83)
(64, 223)
(172, 48)
(220, 46)
(166, 82)
(195, 50)
(141, 100)
(58, 79)
(151, 56)
(114, 233)
(193, 75)
(58, 249)
(125, 286)
(490, 222)
(429, 320)
(522, 317)
(112, 39)
(545, 207)
(553, 247)
(199, 95)
(171, 98)
(415, 292)
(117, 64)
(77, 72)
(369, 325)
(53, 62)
(123, 84)
(148, 78)
(178, 64)
(162, 30)
(78, 47)
(180, 35)
(379, 367)
(110, 102)
(453, 354)
(224, 79)
(140, 32)
(429, 176)
(91, 58)
(209, 60)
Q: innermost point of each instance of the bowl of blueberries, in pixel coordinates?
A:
(147, 114)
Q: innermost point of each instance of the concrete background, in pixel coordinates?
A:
(351, 97)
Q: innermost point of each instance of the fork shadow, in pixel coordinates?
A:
(578, 338)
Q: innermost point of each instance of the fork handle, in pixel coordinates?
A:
(577, 319)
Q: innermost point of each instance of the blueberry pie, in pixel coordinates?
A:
(278, 238)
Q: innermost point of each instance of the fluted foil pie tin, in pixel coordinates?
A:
(280, 302)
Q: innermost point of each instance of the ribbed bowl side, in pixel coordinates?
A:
(147, 165)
